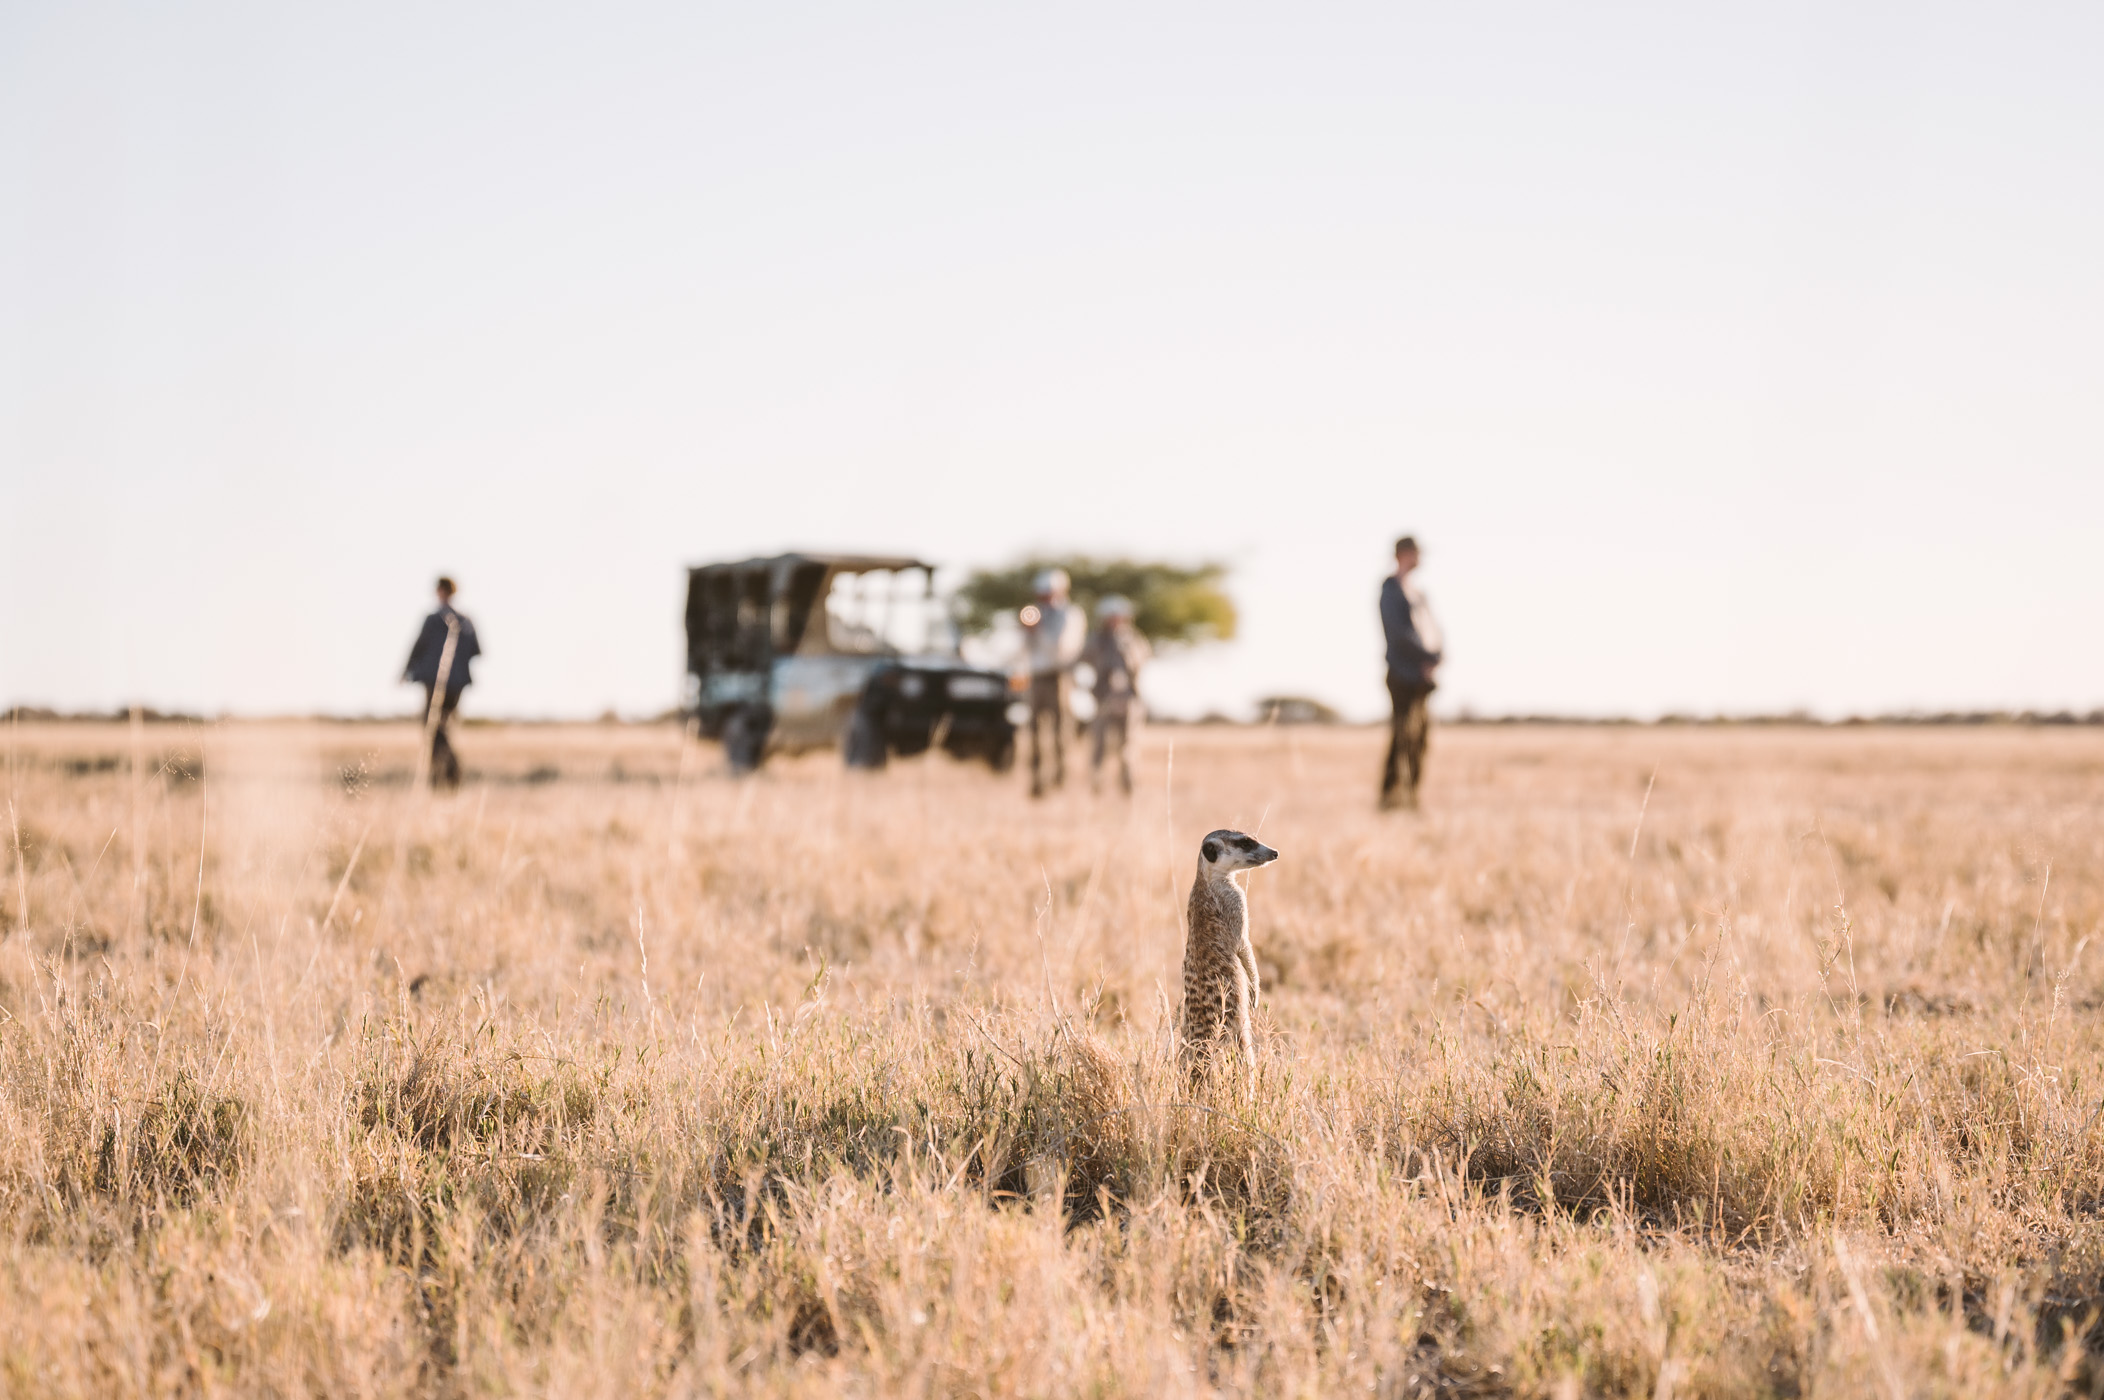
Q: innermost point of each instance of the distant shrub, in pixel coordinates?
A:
(1295, 709)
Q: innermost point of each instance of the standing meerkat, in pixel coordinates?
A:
(1220, 965)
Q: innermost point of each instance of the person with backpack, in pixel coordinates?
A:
(1115, 653)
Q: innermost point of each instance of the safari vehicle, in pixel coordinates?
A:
(812, 651)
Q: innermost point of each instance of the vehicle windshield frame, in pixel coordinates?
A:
(831, 634)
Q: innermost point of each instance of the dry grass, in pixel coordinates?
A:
(613, 1076)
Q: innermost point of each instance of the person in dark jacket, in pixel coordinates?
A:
(439, 663)
(1414, 651)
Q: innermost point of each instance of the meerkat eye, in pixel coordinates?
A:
(1212, 850)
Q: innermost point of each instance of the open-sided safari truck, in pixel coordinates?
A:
(809, 651)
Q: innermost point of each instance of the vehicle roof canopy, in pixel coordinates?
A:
(741, 613)
(839, 563)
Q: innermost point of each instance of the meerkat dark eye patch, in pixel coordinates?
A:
(1211, 850)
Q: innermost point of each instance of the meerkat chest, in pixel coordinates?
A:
(1219, 914)
(1218, 927)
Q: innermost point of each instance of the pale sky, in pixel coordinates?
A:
(1725, 358)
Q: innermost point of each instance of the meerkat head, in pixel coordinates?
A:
(1224, 853)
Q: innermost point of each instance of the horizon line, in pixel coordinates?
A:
(1465, 716)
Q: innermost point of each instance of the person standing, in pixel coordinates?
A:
(1054, 632)
(439, 663)
(1115, 652)
(1415, 649)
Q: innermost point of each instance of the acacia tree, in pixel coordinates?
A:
(1171, 604)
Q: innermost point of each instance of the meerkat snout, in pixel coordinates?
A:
(1228, 851)
(1220, 963)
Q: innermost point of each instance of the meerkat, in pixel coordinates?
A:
(1220, 965)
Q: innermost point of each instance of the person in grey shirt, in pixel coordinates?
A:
(1054, 631)
(1415, 649)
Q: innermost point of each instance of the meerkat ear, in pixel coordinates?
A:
(1211, 851)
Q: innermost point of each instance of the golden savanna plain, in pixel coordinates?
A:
(1645, 1061)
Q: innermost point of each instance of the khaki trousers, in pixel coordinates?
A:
(1048, 712)
(1109, 729)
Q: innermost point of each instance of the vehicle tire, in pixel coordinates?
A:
(1001, 757)
(863, 744)
(745, 740)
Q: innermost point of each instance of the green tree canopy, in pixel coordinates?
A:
(1170, 604)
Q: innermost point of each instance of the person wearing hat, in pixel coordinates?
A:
(1054, 632)
(1415, 650)
(1115, 653)
(439, 663)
